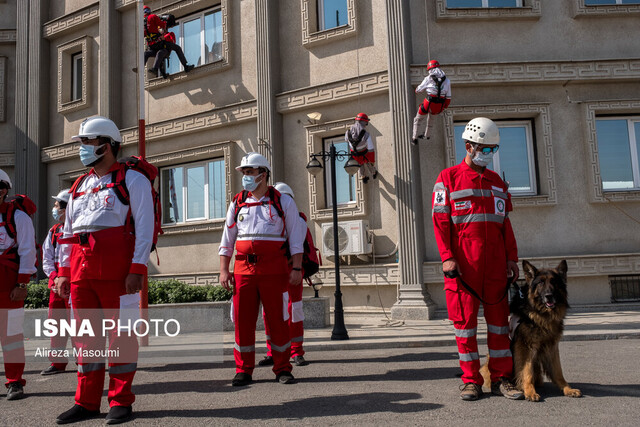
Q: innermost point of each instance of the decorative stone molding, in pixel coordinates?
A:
(332, 92)
(200, 279)
(193, 227)
(202, 70)
(8, 36)
(530, 10)
(311, 36)
(231, 115)
(542, 123)
(579, 265)
(65, 52)
(535, 72)
(3, 88)
(71, 21)
(319, 211)
(122, 4)
(7, 159)
(593, 162)
(619, 10)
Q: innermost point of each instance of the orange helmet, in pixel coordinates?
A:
(362, 117)
(432, 64)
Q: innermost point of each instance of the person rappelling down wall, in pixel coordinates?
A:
(361, 147)
(438, 88)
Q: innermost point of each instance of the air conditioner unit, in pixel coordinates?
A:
(353, 238)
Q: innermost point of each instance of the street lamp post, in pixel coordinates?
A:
(351, 166)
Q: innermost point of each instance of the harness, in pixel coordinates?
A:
(355, 141)
(56, 234)
(437, 99)
(153, 39)
(240, 200)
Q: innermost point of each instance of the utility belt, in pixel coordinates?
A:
(87, 239)
(436, 99)
(255, 258)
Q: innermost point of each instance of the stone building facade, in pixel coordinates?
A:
(562, 80)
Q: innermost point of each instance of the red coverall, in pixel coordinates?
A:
(17, 264)
(103, 252)
(261, 274)
(58, 306)
(471, 225)
(296, 315)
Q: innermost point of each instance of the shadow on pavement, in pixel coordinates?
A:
(424, 356)
(352, 404)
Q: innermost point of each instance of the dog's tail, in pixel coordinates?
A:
(486, 375)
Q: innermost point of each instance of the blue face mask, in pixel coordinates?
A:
(55, 212)
(88, 154)
(249, 182)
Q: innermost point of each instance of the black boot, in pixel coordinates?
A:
(119, 414)
(241, 379)
(188, 68)
(75, 414)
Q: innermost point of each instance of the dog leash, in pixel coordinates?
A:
(456, 274)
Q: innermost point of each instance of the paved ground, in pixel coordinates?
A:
(385, 374)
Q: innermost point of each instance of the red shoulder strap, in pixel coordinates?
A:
(74, 187)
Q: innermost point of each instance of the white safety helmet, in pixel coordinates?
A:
(254, 160)
(5, 177)
(284, 189)
(63, 196)
(481, 131)
(96, 126)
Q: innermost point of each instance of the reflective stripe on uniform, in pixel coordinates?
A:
(280, 348)
(90, 228)
(500, 194)
(123, 369)
(499, 330)
(441, 209)
(469, 192)
(466, 333)
(297, 339)
(463, 219)
(251, 236)
(244, 348)
(468, 357)
(83, 368)
(13, 346)
(499, 353)
(439, 186)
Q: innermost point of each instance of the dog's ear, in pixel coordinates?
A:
(529, 271)
(562, 269)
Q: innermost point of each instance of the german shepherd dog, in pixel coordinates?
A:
(537, 315)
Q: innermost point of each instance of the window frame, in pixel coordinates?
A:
(616, 3)
(66, 52)
(311, 33)
(180, 40)
(185, 202)
(633, 151)
(326, 144)
(531, 153)
(530, 9)
(76, 76)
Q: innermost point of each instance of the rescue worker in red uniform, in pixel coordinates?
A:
(58, 306)
(471, 205)
(160, 44)
(261, 272)
(361, 147)
(295, 309)
(17, 264)
(438, 88)
(103, 265)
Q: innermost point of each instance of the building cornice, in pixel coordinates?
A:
(71, 21)
(534, 72)
(8, 36)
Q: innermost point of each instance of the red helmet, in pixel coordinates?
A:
(362, 117)
(432, 64)
(146, 9)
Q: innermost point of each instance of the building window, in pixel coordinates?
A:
(345, 184)
(73, 75)
(461, 4)
(625, 288)
(515, 160)
(201, 37)
(332, 14)
(618, 152)
(607, 2)
(193, 192)
(76, 76)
